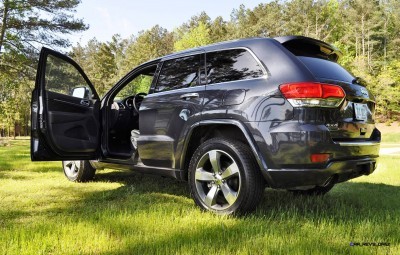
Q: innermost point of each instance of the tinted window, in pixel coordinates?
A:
(307, 48)
(326, 69)
(179, 73)
(231, 65)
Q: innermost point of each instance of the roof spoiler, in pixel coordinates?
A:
(309, 47)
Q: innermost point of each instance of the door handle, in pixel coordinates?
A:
(189, 96)
(85, 102)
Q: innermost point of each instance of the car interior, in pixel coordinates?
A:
(123, 114)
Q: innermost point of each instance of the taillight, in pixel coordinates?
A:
(312, 94)
(320, 157)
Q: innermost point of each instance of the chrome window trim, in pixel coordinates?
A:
(199, 52)
(251, 79)
(263, 68)
(182, 55)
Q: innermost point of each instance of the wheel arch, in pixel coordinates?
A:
(205, 130)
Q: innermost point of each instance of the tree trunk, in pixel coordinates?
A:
(356, 46)
(385, 44)
(15, 130)
(26, 126)
(362, 35)
(368, 52)
(4, 23)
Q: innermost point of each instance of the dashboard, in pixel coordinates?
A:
(127, 103)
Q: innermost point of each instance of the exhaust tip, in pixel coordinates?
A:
(332, 180)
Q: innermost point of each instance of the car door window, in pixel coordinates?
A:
(179, 73)
(140, 84)
(231, 65)
(63, 78)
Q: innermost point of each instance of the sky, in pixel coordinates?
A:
(124, 17)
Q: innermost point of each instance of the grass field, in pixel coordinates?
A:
(127, 213)
(390, 134)
(391, 138)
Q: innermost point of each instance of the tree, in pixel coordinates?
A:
(147, 45)
(366, 31)
(99, 63)
(197, 36)
(106, 63)
(218, 30)
(387, 90)
(269, 19)
(25, 24)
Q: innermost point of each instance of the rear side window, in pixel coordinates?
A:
(231, 65)
(325, 69)
(179, 73)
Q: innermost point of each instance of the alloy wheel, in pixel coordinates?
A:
(71, 168)
(217, 180)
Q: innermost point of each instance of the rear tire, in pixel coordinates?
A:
(78, 170)
(224, 177)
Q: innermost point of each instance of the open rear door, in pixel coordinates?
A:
(64, 111)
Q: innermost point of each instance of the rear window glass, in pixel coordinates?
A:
(326, 69)
(231, 65)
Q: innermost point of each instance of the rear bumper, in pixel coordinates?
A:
(340, 170)
(287, 147)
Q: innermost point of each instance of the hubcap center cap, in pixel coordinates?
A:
(218, 179)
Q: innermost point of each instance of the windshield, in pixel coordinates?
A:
(141, 84)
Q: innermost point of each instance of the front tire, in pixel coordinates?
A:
(225, 178)
(78, 170)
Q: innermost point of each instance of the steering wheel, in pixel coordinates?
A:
(136, 102)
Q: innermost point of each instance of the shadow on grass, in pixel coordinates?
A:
(13, 176)
(352, 194)
(349, 205)
(165, 200)
(10, 215)
(366, 199)
(350, 201)
(145, 183)
(4, 165)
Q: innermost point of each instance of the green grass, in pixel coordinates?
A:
(391, 137)
(127, 213)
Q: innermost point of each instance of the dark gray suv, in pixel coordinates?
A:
(231, 118)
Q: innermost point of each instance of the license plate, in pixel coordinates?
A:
(361, 111)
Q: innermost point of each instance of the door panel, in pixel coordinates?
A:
(71, 124)
(163, 120)
(166, 114)
(65, 124)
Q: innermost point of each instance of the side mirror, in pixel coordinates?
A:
(80, 92)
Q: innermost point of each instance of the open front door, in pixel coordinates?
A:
(64, 111)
